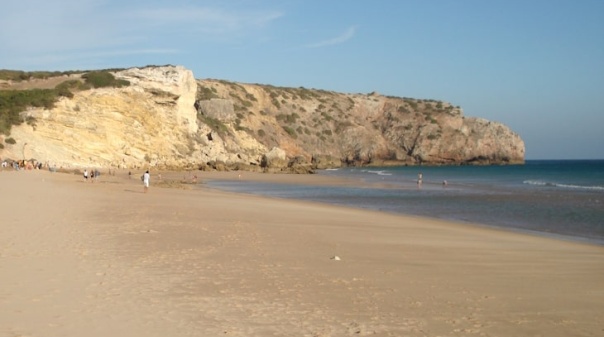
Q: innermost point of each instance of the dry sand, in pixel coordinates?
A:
(104, 259)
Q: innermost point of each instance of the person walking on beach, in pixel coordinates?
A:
(146, 178)
(86, 175)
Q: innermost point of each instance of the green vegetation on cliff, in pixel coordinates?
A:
(18, 75)
(13, 102)
(103, 79)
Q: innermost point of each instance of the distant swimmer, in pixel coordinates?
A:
(445, 183)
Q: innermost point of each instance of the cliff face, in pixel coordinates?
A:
(150, 121)
(357, 129)
(166, 118)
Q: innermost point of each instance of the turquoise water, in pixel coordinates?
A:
(562, 198)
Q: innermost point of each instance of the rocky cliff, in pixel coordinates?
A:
(166, 118)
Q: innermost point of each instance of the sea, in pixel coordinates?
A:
(559, 198)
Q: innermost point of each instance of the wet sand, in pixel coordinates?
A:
(105, 259)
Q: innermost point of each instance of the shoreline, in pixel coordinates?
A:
(104, 258)
(319, 180)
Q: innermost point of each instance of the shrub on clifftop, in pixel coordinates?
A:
(101, 79)
(12, 102)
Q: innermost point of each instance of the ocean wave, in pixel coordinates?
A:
(379, 173)
(560, 185)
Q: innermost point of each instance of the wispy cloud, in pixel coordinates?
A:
(72, 29)
(84, 59)
(347, 35)
(212, 20)
(37, 26)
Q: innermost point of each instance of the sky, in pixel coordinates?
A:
(536, 66)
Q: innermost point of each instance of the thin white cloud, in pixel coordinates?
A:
(347, 35)
(35, 26)
(85, 60)
(71, 30)
(211, 20)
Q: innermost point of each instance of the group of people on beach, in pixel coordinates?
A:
(145, 178)
(93, 175)
(28, 165)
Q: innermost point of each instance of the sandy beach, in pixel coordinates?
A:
(105, 259)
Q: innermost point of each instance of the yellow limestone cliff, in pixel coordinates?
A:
(151, 120)
(166, 118)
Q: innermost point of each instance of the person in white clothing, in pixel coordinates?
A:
(146, 178)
